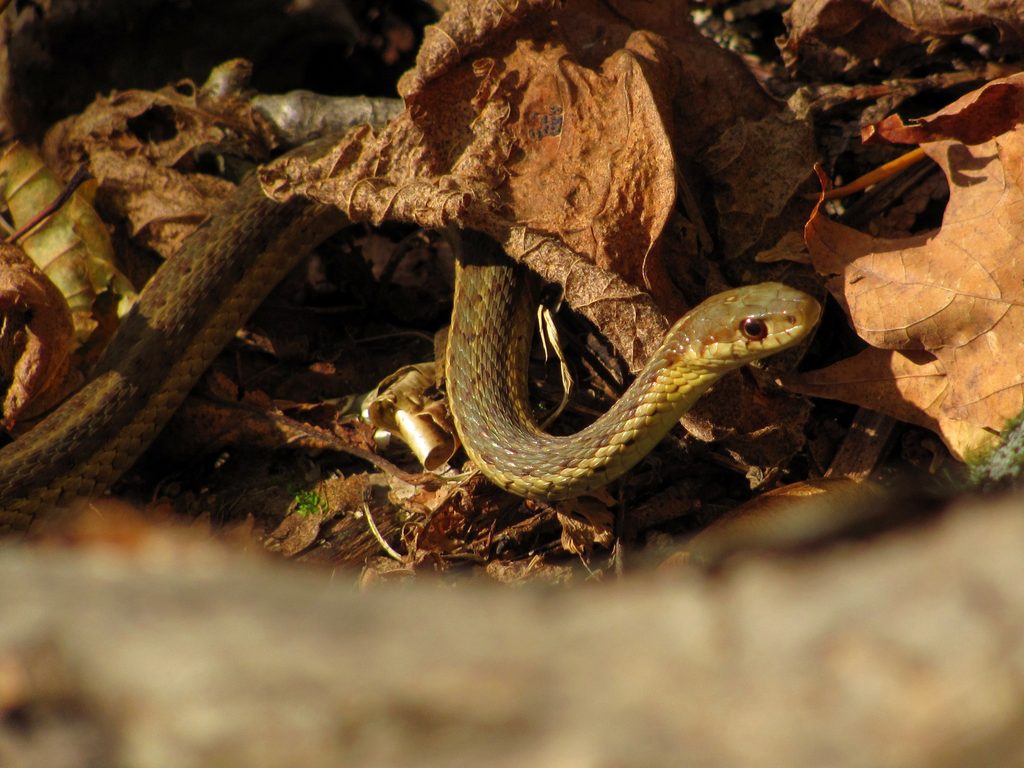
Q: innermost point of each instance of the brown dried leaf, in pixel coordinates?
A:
(957, 293)
(299, 530)
(627, 316)
(995, 108)
(567, 123)
(595, 165)
(832, 36)
(203, 425)
(750, 195)
(161, 205)
(788, 518)
(585, 524)
(36, 336)
(534, 570)
(480, 145)
(142, 147)
(910, 386)
(123, 530)
(761, 428)
(528, 130)
(934, 17)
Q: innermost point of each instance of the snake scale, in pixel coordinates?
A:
(198, 299)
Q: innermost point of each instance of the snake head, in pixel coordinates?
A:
(740, 325)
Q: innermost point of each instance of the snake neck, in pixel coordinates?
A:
(487, 359)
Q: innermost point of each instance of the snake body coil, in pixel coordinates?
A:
(195, 303)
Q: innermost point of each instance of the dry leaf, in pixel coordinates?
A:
(36, 336)
(530, 121)
(935, 17)
(72, 246)
(300, 529)
(786, 518)
(526, 130)
(832, 36)
(595, 164)
(479, 138)
(586, 523)
(910, 386)
(753, 197)
(142, 148)
(957, 294)
(534, 570)
(406, 402)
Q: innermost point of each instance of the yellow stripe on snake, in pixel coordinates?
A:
(197, 300)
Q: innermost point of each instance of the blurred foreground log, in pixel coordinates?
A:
(906, 650)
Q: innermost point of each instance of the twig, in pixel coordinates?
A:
(376, 534)
(81, 175)
(881, 173)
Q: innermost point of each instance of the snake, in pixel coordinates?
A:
(196, 301)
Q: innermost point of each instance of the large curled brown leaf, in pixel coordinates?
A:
(567, 119)
(35, 339)
(605, 121)
(944, 311)
(538, 131)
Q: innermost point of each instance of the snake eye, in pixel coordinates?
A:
(754, 328)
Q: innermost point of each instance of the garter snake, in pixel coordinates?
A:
(488, 347)
(197, 300)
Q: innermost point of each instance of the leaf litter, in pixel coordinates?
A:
(36, 338)
(618, 153)
(943, 311)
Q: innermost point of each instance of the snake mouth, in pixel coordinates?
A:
(801, 315)
(811, 312)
